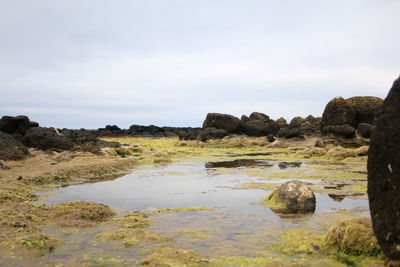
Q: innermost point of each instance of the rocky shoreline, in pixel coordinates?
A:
(346, 122)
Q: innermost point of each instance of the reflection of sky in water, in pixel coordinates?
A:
(182, 185)
(239, 224)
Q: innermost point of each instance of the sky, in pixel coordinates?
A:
(86, 64)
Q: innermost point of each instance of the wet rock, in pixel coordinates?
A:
(46, 138)
(285, 165)
(14, 125)
(365, 107)
(11, 149)
(343, 130)
(292, 197)
(259, 116)
(239, 163)
(338, 112)
(365, 130)
(229, 123)
(384, 175)
(337, 197)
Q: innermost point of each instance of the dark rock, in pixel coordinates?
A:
(244, 119)
(189, 135)
(365, 130)
(384, 175)
(237, 163)
(282, 132)
(296, 122)
(281, 122)
(14, 125)
(366, 107)
(338, 112)
(46, 138)
(259, 116)
(318, 143)
(306, 128)
(259, 128)
(211, 133)
(33, 124)
(229, 123)
(292, 133)
(11, 149)
(343, 130)
(292, 197)
(285, 165)
(271, 138)
(113, 128)
(313, 120)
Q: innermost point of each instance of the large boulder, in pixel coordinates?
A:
(281, 122)
(259, 116)
(293, 197)
(227, 122)
(211, 133)
(343, 130)
(365, 130)
(14, 125)
(259, 128)
(337, 112)
(384, 175)
(365, 107)
(11, 149)
(46, 138)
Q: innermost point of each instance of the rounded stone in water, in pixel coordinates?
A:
(292, 197)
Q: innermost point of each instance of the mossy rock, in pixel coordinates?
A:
(80, 213)
(293, 197)
(353, 237)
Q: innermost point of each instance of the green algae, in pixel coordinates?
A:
(41, 244)
(170, 256)
(353, 237)
(103, 260)
(299, 242)
(80, 213)
(131, 237)
(274, 202)
(242, 262)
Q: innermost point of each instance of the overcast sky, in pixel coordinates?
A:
(75, 63)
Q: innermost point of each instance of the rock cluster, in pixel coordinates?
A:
(17, 134)
(344, 117)
(384, 175)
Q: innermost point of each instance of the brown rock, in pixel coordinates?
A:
(384, 175)
(338, 112)
(366, 107)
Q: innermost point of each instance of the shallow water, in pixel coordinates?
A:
(185, 185)
(238, 226)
